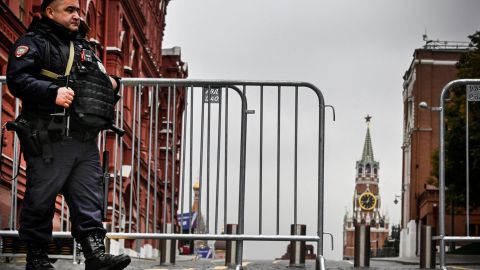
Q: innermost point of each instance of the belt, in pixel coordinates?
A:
(55, 136)
(76, 134)
(82, 136)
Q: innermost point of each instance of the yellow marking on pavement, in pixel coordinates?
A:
(460, 268)
(215, 268)
(168, 269)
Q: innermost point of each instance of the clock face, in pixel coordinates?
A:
(367, 201)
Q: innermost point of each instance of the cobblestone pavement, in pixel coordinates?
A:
(138, 264)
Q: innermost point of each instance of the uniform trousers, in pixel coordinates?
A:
(74, 172)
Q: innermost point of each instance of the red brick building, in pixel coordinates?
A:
(366, 203)
(432, 67)
(127, 35)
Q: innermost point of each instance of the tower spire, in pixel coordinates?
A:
(367, 155)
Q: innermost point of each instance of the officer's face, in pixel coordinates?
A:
(65, 12)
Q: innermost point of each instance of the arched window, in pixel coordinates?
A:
(126, 45)
(368, 169)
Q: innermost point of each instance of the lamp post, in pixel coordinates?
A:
(441, 198)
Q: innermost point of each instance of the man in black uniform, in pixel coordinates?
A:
(67, 98)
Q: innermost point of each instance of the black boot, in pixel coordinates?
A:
(95, 257)
(37, 258)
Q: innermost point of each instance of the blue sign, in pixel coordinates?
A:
(188, 219)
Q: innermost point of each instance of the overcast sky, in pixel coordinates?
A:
(356, 52)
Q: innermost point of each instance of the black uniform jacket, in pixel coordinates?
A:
(28, 57)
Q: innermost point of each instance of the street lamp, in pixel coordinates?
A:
(396, 199)
(424, 106)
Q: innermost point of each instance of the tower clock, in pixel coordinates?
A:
(367, 201)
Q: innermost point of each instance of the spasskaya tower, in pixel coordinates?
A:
(366, 202)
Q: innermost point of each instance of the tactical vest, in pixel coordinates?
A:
(94, 101)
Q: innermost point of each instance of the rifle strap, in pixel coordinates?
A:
(54, 75)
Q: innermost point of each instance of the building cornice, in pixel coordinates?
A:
(371, 182)
(114, 49)
(435, 62)
(11, 28)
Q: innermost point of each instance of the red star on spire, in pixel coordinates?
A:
(367, 118)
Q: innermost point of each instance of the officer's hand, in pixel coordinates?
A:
(64, 97)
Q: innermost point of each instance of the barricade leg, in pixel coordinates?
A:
(107, 240)
(297, 248)
(231, 246)
(168, 248)
(427, 248)
(320, 263)
(362, 245)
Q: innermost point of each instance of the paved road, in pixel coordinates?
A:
(218, 264)
(455, 262)
(200, 265)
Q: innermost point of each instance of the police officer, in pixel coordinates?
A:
(67, 98)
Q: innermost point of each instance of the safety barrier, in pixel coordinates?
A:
(179, 136)
(473, 89)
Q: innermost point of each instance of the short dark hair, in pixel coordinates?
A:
(45, 4)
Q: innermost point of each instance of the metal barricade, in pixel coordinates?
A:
(179, 132)
(475, 83)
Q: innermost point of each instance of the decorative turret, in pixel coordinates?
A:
(201, 228)
(196, 198)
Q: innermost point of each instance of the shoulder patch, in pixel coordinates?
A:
(21, 51)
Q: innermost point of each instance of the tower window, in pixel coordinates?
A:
(368, 169)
